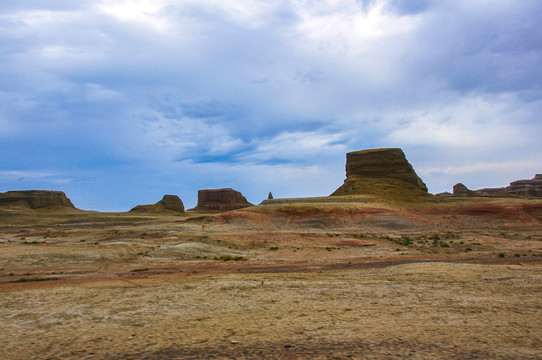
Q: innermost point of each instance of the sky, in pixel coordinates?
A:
(118, 102)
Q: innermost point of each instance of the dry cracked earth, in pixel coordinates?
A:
(453, 280)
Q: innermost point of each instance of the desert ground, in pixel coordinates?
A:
(316, 279)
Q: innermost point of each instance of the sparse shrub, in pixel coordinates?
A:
(444, 245)
(435, 237)
(468, 249)
(406, 241)
(461, 242)
(502, 255)
(228, 258)
(273, 248)
(517, 255)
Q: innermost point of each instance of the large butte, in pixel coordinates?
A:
(382, 172)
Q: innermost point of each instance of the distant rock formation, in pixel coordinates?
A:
(36, 198)
(527, 188)
(270, 196)
(461, 190)
(221, 199)
(381, 172)
(168, 202)
(531, 187)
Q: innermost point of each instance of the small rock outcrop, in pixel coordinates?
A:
(36, 199)
(168, 202)
(381, 172)
(461, 190)
(221, 199)
(270, 196)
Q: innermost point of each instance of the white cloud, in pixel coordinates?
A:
(97, 92)
(18, 174)
(167, 138)
(504, 167)
(146, 12)
(296, 146)
(472, 122)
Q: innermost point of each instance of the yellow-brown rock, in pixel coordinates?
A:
(382, 172)
(221, 200)
(168, 203)
(36, 198)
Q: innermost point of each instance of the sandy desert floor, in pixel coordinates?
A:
(462, 284)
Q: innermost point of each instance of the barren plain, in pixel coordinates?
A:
(348, 277)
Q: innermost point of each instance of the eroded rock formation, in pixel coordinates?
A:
(221, 199)
(461, 190)
(36, 199)
(168, 202)
(531, 187)
(381, 172)
(528, 188)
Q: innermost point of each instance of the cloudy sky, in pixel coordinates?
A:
(118, 102)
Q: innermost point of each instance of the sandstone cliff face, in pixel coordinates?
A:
(221, 199)
(531, 187)
(383, 172)
(36, 198)
(168, 202)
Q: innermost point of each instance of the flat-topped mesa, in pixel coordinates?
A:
(36, 199)
(221, 199)
(168, 203)
(383, 172)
